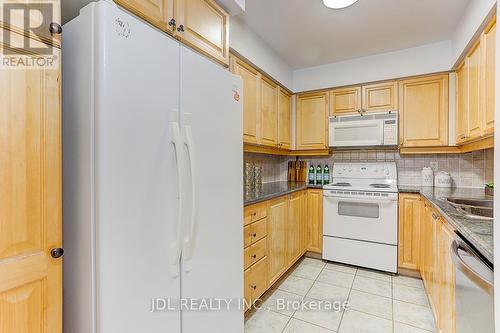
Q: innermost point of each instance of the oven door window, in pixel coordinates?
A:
(359, 209)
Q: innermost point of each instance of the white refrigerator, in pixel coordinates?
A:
(152, 180)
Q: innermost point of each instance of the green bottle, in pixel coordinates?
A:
(319, 175)
(311, 174)
(326, 175)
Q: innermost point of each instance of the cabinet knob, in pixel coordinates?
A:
(254, 235)
(55, 28)
(180, 28)
(172, 23)
(254, 256)
(57, 252)
(254, 287)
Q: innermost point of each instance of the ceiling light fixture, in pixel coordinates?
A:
(337, 4)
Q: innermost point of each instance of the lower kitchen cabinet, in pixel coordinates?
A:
(410, 207)
(315, 220)
(436, 267)
(278, 216)
(295, 227)
(256, 280)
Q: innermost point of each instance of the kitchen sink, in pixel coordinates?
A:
(480, 209)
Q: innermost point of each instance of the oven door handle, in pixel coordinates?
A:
(353, 199)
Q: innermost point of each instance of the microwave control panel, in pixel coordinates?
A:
(391, 132)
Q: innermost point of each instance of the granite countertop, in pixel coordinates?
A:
(273, 190)
(478, 232)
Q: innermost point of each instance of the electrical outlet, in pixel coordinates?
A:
(434, 165)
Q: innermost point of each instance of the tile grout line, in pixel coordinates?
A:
(348, 296)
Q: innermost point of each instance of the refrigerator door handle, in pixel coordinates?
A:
(190, 237)
(178, 147)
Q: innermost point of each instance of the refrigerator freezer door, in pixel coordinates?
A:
(212, 263)
(136, 187)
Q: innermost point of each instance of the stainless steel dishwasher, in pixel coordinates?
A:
(473, 290)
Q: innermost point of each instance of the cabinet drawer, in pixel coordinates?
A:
(257, 279)
(259, 230)
(257, 251)
(254, 213)
(247, 235)
(247, 257)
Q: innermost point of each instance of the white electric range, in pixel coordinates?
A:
(360, 215)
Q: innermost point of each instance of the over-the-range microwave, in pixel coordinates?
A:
(364, 130)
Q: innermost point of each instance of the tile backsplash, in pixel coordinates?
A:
(467, 170)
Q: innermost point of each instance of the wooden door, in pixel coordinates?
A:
(284, 120)
(41, 13)
(303, 224)
(293, 227)
(426, 251)
(409, 231)
(345, 101)
(251, 79)
(157, 12)
(311, 121)
(380, 97)
(277, 216)
(474, 93)
(447, 315)
(424, 98)
(30, 199)
(268, 113)
(435, 260)
(462, 106)
(204, 25)
(489, 47)
(315, 220)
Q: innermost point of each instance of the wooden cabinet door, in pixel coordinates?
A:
(409, 231)
(315, 220)
(426, 249)
(251, 79)
(303, 224)
(424, 98)
(489, 47)
(268, 113)
(447, 315)
(204, 25)
(345, 101)
(380, 97)
(284, 120)
(41, 14)
(277, 216)
(293, 227)
(30, 199)
(462, 105)
(156, 12)
(474, 93)
(311, 121)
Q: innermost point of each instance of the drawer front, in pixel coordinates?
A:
(248, 235)
(254, 213)
(258, 251)
(259, 230)
(247, 257)
(258, 278)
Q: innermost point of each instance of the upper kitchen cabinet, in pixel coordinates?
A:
(45, 15)
(311, 121)
(201, 24)
(345, 101)
(159, 13)
(461, 104)
(489, 46)
(268, 112)
(250, 78)
(204, 25)
(473, 63)
(380, 97)
(424, 98)
(284, 119)
(475, 90)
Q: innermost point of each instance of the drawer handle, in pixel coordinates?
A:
(254, 287)
(254, 214)
(254, 235)
(254, 256)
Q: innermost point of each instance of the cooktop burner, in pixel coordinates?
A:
(380, 185)
(342, 184)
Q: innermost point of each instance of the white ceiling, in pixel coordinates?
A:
(305, 33)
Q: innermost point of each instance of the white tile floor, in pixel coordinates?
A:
(379, 303)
